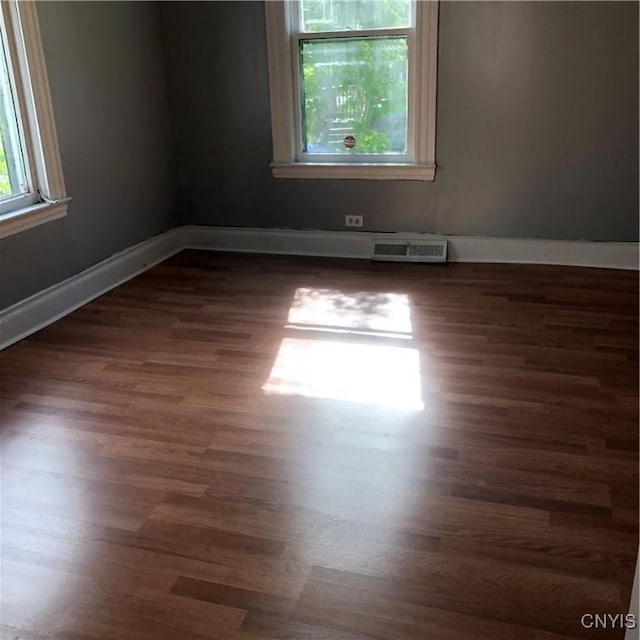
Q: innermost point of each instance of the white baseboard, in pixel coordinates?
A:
(332, 244)
(45, 307)
(348, 244)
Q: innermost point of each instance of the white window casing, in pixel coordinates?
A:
(47, 198)
(282, 43)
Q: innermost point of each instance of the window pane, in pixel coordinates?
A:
(354, 95)
(12, 172)
(344, 15)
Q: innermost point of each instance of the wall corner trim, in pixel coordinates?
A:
(36, 312)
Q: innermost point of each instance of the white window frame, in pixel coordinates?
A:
(282, 53)
(47, 198)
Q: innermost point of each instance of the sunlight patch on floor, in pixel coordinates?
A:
(362, 311)
(371, 362)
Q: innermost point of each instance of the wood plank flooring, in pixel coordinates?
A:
(241, 447)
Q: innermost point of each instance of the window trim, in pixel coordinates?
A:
(284, 116)
(36, 111)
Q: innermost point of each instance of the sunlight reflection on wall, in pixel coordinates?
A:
(349, 346)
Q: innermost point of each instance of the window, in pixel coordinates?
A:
(352, 88)
(32, 187)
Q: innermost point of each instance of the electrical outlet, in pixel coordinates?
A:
(353, 221)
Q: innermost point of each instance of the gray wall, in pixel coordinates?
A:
(106, 72)
(537, 128)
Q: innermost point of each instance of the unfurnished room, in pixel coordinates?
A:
(319, 320)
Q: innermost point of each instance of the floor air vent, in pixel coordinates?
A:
(425, 251)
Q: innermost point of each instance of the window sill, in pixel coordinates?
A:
(425, 172)
(32, 216)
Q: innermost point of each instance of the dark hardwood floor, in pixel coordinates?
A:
(243, 447)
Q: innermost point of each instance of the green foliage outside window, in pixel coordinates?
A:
(344, 15)
(354, 86)
(358, 87)
(5, 184)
